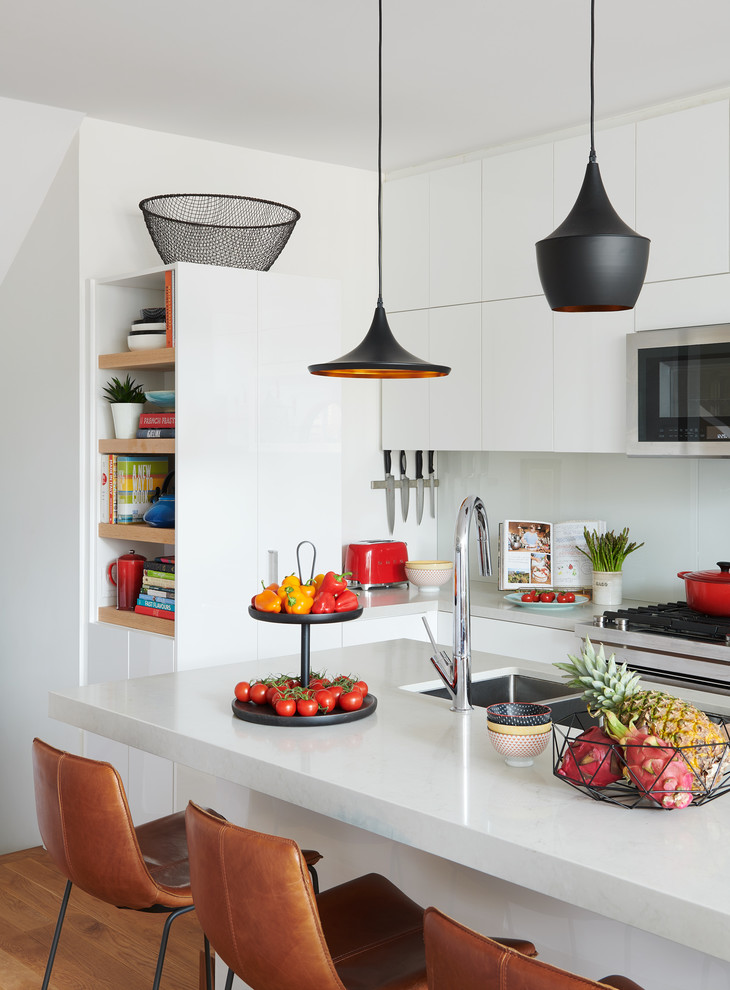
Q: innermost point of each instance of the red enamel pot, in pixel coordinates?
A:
(708, 591)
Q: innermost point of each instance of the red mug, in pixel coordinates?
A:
(129, 579)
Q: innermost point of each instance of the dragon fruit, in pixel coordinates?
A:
(657, 769)
(591, 759)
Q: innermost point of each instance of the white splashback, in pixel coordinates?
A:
(676, 505)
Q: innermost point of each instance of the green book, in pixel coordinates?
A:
(137, 478)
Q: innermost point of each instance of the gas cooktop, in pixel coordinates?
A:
(671, 619)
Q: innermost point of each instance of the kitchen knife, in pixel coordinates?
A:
(419, 486)
(389, 492)
(431, 486)
(405, 488)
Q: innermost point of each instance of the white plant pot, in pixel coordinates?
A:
(126, 419)
(607, 587)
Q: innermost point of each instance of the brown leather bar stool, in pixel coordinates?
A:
(262, 917)
(458, 958)
(87, 829)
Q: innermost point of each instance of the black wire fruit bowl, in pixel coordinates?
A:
(607, 776)
(206, 229)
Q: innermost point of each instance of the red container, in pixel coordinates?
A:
(708, 591)
(129, 579)
(376, 562)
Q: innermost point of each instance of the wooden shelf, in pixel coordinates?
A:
(160, 357)
(152, 446)
(136, 533)
(134, 620)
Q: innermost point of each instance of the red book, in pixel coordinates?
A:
(158, 613)
(157, 421)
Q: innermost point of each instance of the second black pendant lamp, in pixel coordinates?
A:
(379, 355)
(593, 261)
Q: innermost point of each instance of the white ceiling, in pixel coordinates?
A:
(299, 77)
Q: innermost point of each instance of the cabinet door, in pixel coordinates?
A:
(455, 234)
(684, 302)
(517, 375)
(405, 243)
(455, 401)
(589, 401)
(682, 191)
(405, 402)
(517, 195)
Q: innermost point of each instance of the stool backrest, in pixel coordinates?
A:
(255, 902)
(86, 826)
(458, 958)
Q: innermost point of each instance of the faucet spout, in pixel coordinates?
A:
(472, 507)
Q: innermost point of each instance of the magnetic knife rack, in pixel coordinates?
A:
(397, 483)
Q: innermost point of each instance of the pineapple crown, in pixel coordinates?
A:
(605, 684)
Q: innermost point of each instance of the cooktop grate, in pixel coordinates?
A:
(673, 619)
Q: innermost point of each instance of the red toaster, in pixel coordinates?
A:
(376, 563)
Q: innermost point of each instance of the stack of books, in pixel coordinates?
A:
(156, 426)
(128, 482)
(157, 595)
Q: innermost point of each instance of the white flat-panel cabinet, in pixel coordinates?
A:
(684, 302)
(455, 401)
(682, 195)
(405, 402)
(517, 210)
(406, 243)
(517, 375)
(589, 396)
(455, 234)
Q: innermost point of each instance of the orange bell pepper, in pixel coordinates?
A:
(267, 601)
(297, 602)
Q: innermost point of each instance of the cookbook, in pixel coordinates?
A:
(538, 554)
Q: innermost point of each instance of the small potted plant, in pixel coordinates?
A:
(126, 399)
(607, 553)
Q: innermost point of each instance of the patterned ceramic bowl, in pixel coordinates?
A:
(519, 713)
(429, 575)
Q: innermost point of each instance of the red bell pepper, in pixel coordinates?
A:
(334, 583)
(346, 601)
(323, 602)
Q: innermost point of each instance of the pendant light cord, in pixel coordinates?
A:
(592, 156)
(380, 152)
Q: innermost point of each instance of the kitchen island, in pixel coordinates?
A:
(417, 792)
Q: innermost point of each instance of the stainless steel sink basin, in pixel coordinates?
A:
(491, 687)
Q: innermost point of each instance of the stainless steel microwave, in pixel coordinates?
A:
(678, 391)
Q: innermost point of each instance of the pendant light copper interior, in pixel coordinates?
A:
(593, 262)
(379, 355)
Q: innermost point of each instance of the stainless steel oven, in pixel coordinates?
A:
(678, 391)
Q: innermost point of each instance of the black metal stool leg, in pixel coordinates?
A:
(208, 964)
(315, 878)
(56, 935)
(229, 979)
(163, 942)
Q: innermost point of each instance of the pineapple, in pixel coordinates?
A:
(609, 687)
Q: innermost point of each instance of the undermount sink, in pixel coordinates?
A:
(491, 687)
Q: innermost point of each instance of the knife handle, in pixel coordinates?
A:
(430, 462)
(419, 463)
(386, 460)
(403, 462)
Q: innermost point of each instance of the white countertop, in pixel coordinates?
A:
(422, 775)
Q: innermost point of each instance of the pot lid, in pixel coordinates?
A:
(714, 577)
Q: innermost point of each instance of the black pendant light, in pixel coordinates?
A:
(379, 355)
(593, 262)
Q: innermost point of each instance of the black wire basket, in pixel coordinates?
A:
(611, 762)
(232, 231)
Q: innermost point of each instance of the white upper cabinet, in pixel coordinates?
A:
(455, 234)
(455, 401)
(684, 302)
(405, 402)
(682, 195)
(517, 211)
(589, 401)
(517, 375)
(406, 243)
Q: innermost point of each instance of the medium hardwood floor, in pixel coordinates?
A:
(101, 947)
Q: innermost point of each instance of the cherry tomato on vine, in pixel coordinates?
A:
(566, 596)
(286, 707)
(350, 701)
(325, 700)
(242, 691)
(547, 596)
(362, 687)
(336, 690)
(258, 693)
(529, 596)
(307, 706)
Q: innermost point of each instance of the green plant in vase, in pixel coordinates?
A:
(127, 399)
(607, 553)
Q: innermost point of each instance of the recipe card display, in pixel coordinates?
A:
(539, 554)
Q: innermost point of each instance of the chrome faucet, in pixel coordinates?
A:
(456, 672)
